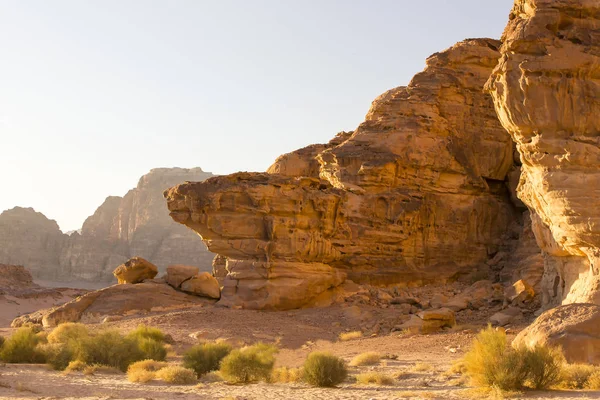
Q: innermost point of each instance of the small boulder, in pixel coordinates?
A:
(203, 284)
(177, 274)
(430, 321)
(519, 292)
(135, 270)
(573, 327)
(457, 303)
(507, 316)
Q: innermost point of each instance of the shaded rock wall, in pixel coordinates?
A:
(416, 194)
(546, 90)
(122, 227)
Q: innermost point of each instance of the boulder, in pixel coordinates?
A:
(573, 327)
(519, 292)
(203, 284)
(177, 274)
(506, 316)
(429, 321)
(135, 270)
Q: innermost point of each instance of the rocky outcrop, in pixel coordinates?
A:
(135, 270)
(546, 90)
(137, 224)
(15, 277)
(415, 195)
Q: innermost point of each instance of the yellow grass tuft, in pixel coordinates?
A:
(350, 335)
(422, 367)
(369, 358)
(374, 378)
(177, 375)
(286, 375)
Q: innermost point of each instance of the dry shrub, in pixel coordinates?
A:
(146, 332)
(57, 355)
(324, 370)
(144, 371)
(249, 364)
(286, 375)
(374, 378)
(101, 369)
(576, 376)
(21, 347)
(152, 349)
(350, 335)
(593, 381)
(140, 376)
(68, 332)
(369, 358)
(206, 357)
(110, 348)
(492, 363)
(76, 366)
(177, 375)
(422, 367)
(2, 340)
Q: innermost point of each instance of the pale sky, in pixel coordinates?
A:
(95, 93)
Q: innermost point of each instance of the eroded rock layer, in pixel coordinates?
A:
(122, 227)
(546, 90)
(416, 194)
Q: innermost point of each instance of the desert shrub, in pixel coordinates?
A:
(144, 371)
(112, 349)
(543, 365)
(422, 367)
(576, 376)
(206, 357)
(374, 378)
(21, 347)
(286, 375)
(152, 349)
(76, 366)
(491, 362)
(324, 369)
(177, 375)
(57, 355)
(68, 332)
(368, 358)
(249, 364)
(146, 332)
(100, 368)
(2, 340)
(344, 336)
(593, 381)
(140, 376)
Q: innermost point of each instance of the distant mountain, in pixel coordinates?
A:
(137, 224)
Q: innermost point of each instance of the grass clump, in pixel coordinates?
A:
(593, 381)
(576, 376)
(369, 358)
(21, 347)
(68, 332)
(152, 349)
(110, 348)
(206, 357)
(146, 332)
(177, 375)
(422, 367)
(374, 378)
(324, 370)
(144, 371)
(249, 364)
(345, 336)
(286, 375)
(76, 366)
(492, 363)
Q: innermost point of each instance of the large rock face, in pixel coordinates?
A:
(547, 94)
(415, 194)
(137, 224)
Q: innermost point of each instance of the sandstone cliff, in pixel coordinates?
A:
(546, 90)
(122, 227)
(416, 194)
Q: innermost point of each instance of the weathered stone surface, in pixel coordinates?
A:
(177, 274)
(121, 300)
(519, 292)
(137, 224)
(135, 270)
(416, 194)
(219, 270)
(546, 90)
(14, 277)
(573, 327)
(429, 321)
(203, 284)
(506, 316)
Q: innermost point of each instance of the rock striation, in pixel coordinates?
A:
(417, 194)
(122, 227)
(546, 90)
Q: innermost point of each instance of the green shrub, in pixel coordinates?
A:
(177, 375)
(543, 364)
(146, 332)
(249, 364)
(57, 355)
(2, 340)
(21, 347)
(68, 332)
(324, 370)
(205, 357)
(112, 349)
(152, 349)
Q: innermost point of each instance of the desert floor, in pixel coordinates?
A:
(420, 360)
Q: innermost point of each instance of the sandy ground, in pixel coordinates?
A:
(298, 333)
(18, 303)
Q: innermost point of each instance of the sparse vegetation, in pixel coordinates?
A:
(286, 375)
(249, 364)
(344, 336)
(593, 381)
(422, 367)
(206, 357)
(146, 332)
(369, 358)
(144, 371)
(2, 340)
(177, 375)
(75, 366)
(152, 349)
(374, 378)
(21, 347)
(492, 363)
(324, 370)
(576, 376)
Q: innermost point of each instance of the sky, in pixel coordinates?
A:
(94, 94)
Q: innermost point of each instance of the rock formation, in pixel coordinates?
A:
(416, 194)
(135, 270)
(137, 224)
(546, 90)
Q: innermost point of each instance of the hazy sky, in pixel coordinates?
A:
(93, 94)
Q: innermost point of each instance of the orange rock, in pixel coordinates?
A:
(135, 270)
